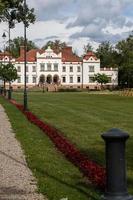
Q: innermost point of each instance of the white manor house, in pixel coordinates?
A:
(62, 69)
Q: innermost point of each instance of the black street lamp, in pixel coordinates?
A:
(10, 25)
(4, 37)
(25, 59)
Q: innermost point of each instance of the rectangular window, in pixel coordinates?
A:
(78, 69)
(33, 68)
(49, 67)
(64, 69)
(34, 79)
(55, 67)
(63, 79)
(18, 69)
(71, 79)
(78, 79)
(27, 79)
(109, 78)
(91, 69)
(71, 68)
(27, 69)
(91, 79)
(42, 67)
(19, 79)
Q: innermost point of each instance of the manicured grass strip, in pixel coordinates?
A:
(56, 176)
(82, 117)
(95, 173)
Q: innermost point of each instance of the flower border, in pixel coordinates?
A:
(95, 173)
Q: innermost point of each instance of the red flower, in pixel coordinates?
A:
(94, 172)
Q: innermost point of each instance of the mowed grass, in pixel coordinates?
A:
(56, 177)
(82, 117)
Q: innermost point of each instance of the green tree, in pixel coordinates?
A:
(107, 54)
(17, 42)
(13, 11)
(101, 78)
(56, 45)
(125, 62)
(8, 73)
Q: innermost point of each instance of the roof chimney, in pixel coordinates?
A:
(67, 50)
(22, 51)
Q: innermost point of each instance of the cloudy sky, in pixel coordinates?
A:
(78, 22)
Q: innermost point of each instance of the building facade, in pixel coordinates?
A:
(61, 69)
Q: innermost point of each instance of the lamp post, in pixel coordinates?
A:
(4, 37)
(10, 25)
(25, 62)
(82, 86)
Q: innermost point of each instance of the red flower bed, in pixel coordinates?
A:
(95, 173)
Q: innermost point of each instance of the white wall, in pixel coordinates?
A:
(50, 57)
(86, 73)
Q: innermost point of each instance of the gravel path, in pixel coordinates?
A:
(16, 179)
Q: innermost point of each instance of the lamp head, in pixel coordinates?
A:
(4, 35)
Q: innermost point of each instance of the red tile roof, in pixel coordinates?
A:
(69, 56)
(30, 55)
(3, 54)
(89, 55)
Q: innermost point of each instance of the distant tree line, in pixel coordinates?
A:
(119, 56)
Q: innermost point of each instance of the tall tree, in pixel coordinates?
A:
(125, 52)
(107, 54)
(14, 11)
(56, 45)
(17, 42)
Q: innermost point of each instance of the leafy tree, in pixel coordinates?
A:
(87, 48)
(107, 54)
(17, 42)
(8, 73)
(101, 78)
(125, 62)
(56, 45)
(14, 11)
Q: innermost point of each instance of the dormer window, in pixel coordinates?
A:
(48, 57)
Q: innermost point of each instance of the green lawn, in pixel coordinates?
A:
(57, 178)
(82, 117)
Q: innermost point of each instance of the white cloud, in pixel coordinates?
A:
(78, 21)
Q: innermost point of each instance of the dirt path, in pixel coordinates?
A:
(16, 179)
